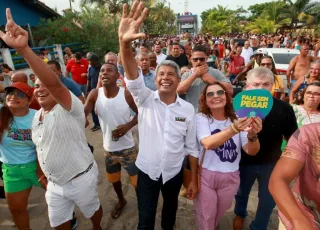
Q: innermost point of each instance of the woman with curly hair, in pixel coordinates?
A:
(221, 135)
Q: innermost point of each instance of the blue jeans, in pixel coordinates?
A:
(248, 175)
(83, 88)
(95, 118)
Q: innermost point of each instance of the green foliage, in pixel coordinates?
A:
(262, 26)
(93, 26)
(161, 19)
(221, 20)
(306, 11)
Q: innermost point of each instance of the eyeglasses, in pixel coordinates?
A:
(313, 94)
(17, 93)
(198, 59)
(219, 93)
(266, 64)
(261, 85)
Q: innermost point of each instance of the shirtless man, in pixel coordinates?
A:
(299, 65)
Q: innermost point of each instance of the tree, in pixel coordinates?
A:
(262, 26)
(164, 18)
(306, 11)
(93, 26)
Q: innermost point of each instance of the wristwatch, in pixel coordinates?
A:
(253, 139)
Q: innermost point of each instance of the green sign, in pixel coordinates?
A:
(253, 103)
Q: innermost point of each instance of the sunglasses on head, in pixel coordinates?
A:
(198, 59)
(17, 93)
(219, 93)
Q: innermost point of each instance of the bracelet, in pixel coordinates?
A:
(234, 128)
(43, 176)
(252, 139)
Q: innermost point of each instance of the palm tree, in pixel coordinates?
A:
(300, 11)
(262, 26)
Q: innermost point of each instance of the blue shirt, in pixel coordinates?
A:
(149, 80)
(16, 145)
(71, 85)
(93, 76)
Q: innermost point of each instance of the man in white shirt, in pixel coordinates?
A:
(167, 130)
(160, 56)
(70, 172)
(113, 106)
(247, 52)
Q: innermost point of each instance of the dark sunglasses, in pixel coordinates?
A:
(198, 59)
(17, 93)
(265, 64)
(219, 93)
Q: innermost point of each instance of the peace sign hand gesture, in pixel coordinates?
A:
(129, 25)
(14, 35)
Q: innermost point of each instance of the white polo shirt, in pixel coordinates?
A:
(161, 57)
(166, 132)
(61, 142)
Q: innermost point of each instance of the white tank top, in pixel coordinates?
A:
(113, 112)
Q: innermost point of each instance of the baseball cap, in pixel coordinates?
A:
(216, 42)
(93, 57)
(25, 88)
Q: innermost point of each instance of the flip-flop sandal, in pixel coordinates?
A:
(116, 212)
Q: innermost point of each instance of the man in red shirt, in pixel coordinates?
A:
(222, 51)
(236, 62)
(78, 67)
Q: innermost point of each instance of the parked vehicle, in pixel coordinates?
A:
(281, 58)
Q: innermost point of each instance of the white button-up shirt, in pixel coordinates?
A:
(61, 142)
(166, 132)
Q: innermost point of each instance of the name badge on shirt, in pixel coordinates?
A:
(181, 119)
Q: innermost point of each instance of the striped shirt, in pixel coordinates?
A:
(61, 143)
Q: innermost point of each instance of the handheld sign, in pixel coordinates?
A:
(253, 103)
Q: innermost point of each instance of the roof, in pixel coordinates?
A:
(26, 11)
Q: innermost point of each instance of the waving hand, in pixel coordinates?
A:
(130, 24)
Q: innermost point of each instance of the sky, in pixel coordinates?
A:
(195, 6)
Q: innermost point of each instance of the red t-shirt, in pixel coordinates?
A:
(76, 69)
(221, 50)
(236, 62)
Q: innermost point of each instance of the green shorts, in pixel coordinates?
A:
(18, 178)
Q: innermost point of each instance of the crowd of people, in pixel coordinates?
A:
(163, 107)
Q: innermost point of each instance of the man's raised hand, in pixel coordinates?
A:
(130, 24)
(14, 35)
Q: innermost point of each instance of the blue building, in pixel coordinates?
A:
(26, 12)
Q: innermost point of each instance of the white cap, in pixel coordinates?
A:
(216, 42)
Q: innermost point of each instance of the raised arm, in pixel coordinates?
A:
(17, 38)
(128, 32)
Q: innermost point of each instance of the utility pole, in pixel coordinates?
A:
(70, 3)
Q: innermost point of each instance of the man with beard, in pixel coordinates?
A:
(194, 81)
(143, 62)
(113, 106)
(177, 57)
(160, 56)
